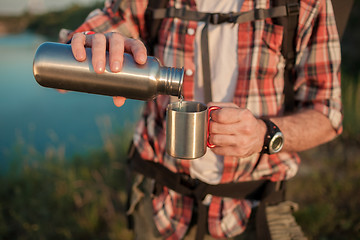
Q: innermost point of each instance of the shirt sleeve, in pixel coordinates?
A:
(318, 84)
(127, 19)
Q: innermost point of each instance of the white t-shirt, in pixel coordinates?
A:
(223, 42)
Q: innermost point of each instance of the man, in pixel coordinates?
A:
(247, 81)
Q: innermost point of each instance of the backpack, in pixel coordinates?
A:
(157, 10)
(342, 11)
(154, 14)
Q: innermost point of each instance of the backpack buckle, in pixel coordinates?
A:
(215, 18)
(218, 18)
(187, 181)
(292, 9)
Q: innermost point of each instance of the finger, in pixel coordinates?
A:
(223, 128)
(137, 49)
(78, 46)
(225, 151)
(116, 51)
(62, 91)
(228, 115)
(231, 151)
(223, 104)
(220, 140)
(98, 52)
(119, 101)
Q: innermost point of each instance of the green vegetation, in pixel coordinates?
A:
(351, 107)
(49, 24)
(44, 196)
(327, 188)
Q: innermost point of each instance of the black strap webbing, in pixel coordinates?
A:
(205, 60)
(115, 6)
(262, 190)
(289, 24)
(342, 10)
(218, 18)
(153, 23)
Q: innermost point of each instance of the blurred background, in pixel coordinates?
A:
(62, 173)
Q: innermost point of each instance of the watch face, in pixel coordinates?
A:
(276, 143)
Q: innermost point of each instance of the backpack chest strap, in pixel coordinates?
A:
(231, 17)
(289, 9)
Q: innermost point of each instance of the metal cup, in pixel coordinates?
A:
(187, 129)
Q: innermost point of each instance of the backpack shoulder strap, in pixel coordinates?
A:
(115, 6)
(342, 9)
(152, 23)
(289, 23)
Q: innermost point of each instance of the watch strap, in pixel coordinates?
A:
(272, 129)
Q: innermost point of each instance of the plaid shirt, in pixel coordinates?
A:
(259, 88)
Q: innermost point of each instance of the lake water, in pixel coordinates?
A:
(42, 117)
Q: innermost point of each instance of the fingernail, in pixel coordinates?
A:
(116, 66)
(79, 55)
(119, 101)
(100, 66)
(142, 58)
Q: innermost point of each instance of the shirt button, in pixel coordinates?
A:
(189, 72)
(191, 31)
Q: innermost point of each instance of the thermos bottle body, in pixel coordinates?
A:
(54, 66)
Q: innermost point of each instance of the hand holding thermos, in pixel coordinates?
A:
(90, 70)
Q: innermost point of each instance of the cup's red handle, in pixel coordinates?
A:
(212, 108)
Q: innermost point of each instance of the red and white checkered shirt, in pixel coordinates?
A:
(259, 88)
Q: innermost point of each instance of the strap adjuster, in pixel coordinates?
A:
(218, 18)
(292, 9)
(214, 18)
(187, 181)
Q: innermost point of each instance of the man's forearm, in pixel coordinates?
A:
(236, 132)
(304, 130)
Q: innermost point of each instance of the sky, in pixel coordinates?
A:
(16, 7)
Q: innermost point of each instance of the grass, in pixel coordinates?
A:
(327, 188)
(50, 23)
(327, 185)
(351, 106)
(44, 196)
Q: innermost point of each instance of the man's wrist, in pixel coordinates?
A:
(274, 139)
(262, 133)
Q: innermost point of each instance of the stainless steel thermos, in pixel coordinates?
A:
(54, 66)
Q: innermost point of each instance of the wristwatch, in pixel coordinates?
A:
(274, 139)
